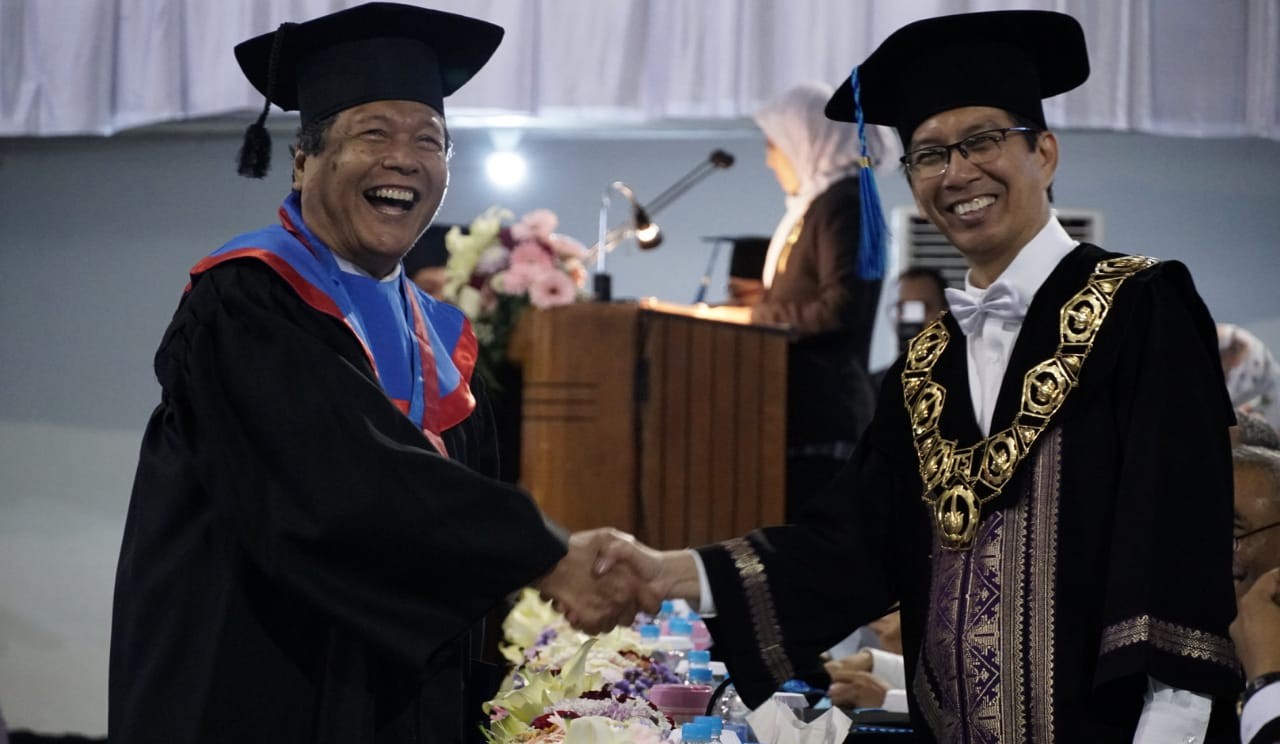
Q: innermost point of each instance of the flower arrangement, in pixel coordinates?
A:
(573, 688)
(496, 271)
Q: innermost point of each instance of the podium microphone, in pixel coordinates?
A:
(718, 160)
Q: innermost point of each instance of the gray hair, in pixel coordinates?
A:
(1260, 458)
(1254, 430)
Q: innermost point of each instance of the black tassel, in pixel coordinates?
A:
(255, 152)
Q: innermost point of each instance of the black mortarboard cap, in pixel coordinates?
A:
(372, 52)
(429, 251)
(1010, 59)
(747, 261)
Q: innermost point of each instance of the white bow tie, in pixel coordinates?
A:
(1000, 300)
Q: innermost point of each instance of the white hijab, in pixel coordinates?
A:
(821, 151)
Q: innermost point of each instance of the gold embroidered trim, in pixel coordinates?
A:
(957, 482)
(1176, 639)
(764, 619)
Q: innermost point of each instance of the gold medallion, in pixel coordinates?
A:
(957, 507)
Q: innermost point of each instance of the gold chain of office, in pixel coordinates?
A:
(957, 482)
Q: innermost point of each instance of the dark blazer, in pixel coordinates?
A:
(832, 313)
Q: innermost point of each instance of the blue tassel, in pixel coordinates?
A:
(875, 232)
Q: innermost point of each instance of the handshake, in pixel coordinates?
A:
(607, 577)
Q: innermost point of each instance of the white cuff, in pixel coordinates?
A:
(1262, 708)
(889, 667)
(706, 602)
(895, 701)
(1172, 715)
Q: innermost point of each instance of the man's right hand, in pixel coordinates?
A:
(596, 601)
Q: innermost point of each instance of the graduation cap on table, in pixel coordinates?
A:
(372, 52)
(747, 259)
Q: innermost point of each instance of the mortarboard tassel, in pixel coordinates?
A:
(875, 233)
(255, 152)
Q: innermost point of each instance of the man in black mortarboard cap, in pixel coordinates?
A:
(1045, 489)
(315, 529)
(746, 270)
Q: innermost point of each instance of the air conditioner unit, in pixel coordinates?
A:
(916, 242)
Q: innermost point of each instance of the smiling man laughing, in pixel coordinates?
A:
(315, 528)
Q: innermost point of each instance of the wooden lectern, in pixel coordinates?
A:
(655, 421)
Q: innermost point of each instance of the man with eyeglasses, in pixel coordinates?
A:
(1045, 488)
(1257, 515)
(1256, 631)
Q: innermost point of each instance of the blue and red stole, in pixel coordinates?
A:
(443, 346)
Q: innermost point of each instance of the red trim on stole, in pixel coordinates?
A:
(305, 289)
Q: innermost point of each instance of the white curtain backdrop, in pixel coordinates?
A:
(1180, 67)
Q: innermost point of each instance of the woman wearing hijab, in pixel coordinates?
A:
(813, 285)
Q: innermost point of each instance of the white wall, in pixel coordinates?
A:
(96, 236)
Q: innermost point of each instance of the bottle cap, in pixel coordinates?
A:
(700, 657)
(679, 626)
(650, 632)
(695, 732)
(714, 722)
(699, 676)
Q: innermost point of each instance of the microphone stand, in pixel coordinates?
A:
(706, 275)
(718, 160)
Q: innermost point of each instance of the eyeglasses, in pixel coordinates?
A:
(979, 148)
(1235, 539)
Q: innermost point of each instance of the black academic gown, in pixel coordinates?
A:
(1105, 560)
(299, 564)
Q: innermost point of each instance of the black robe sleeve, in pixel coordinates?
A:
(1168, 594)
(330, 491)
(786, 594)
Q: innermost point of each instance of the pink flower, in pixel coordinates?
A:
(539, 223)
(566, 247)
(531, 252)
(517, 279)
(551, 288)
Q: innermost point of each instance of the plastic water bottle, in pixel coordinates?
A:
(650, 638)
(714, 723)
(677, 643)
(665, 613)
(699, 676)
(695, 733)
(734, 712)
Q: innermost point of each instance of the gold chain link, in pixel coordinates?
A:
(957, 482)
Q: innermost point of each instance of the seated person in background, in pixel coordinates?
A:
(426, 260)
(746, 267)
(1257, 515)
(921, 299)
(922, 296)
(1256, 634)
(872, 677)
(1253, 377)
(1256, 629)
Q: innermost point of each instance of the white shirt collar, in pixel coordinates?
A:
(350, 268)
(1033, 264)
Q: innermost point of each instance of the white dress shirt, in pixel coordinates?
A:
(1168, 714)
